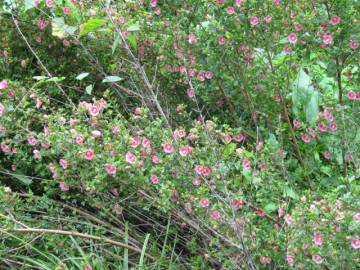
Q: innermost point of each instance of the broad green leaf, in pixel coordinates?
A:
(115, 44)
(109, 79)
(29, 4)
(270, 207)
(82, 76)
(134, 27)
(90, 26)
(229, 149)
(289, 192)
(56, 79)
(302, 81)
(60, 29)
(312, 108)
(132, 41)
(89, 89)
(23, 179)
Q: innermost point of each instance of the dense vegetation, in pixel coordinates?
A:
(199, 134)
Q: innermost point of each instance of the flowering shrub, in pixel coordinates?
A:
(238, 116)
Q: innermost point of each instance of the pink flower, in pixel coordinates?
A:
(327, 154)
(356, 217)
(153, 3)
(288, 219)
(290, 260)
(179, 133)
(230, 10)
(66, 10)
(63, 163)
(188, 208)
(89, 154)
(221, 40)
(322, 127)
(254, 21)
(318, 239)
(292, 38)
(317, 259)
(204, 202)
(49, 3)
(296, 123)
(298, 27)
(2, 109)
(3, 84)
(355, 243)
(137, 111)
(351, 95)
(227, 138)
(312, 133)
(334, 20)
(196, 182)
(305, 137)
(130, 158)
(280, 212)
(32, 141)
(155, 159)
(327, 115)
(157, 11)
(93, 109)
(268, 19)
(240, 137)
(208, 75)
(215, 214)
(154, 179)
(238, 2)
(192, 38)
(276, 2)
(190, 93)
(110, 169)
(79, 139)
(327, 38)
(96, 133)
(246, 164)
(134, 142)
(353, 44)
(265, 260)
(237, 204)
(186, 150)
(5, 148)
(168, 148)
(88, 267)
(333, 126)
(287, 49)
(63, 187)
(145, 142)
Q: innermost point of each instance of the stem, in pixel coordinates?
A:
(74, 233)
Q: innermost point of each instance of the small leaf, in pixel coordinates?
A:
(23, 179)
(60, 29)
(289, 192)
(39, 78)
(229, 149)
(109, 79)
(90, 26)
(89, 89)
(82, 76)
(270, 207)
(134, 27)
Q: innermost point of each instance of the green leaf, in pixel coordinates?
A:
(109, 79)
(82, 76)
(29, 4)
(22, 178)
(134, 27)
(229, 149)
(312, 108)
(289, 192)
(90, 26)
(89, 89)
(115, 44)
(132, 41)
(270, 207)
(60, 29)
